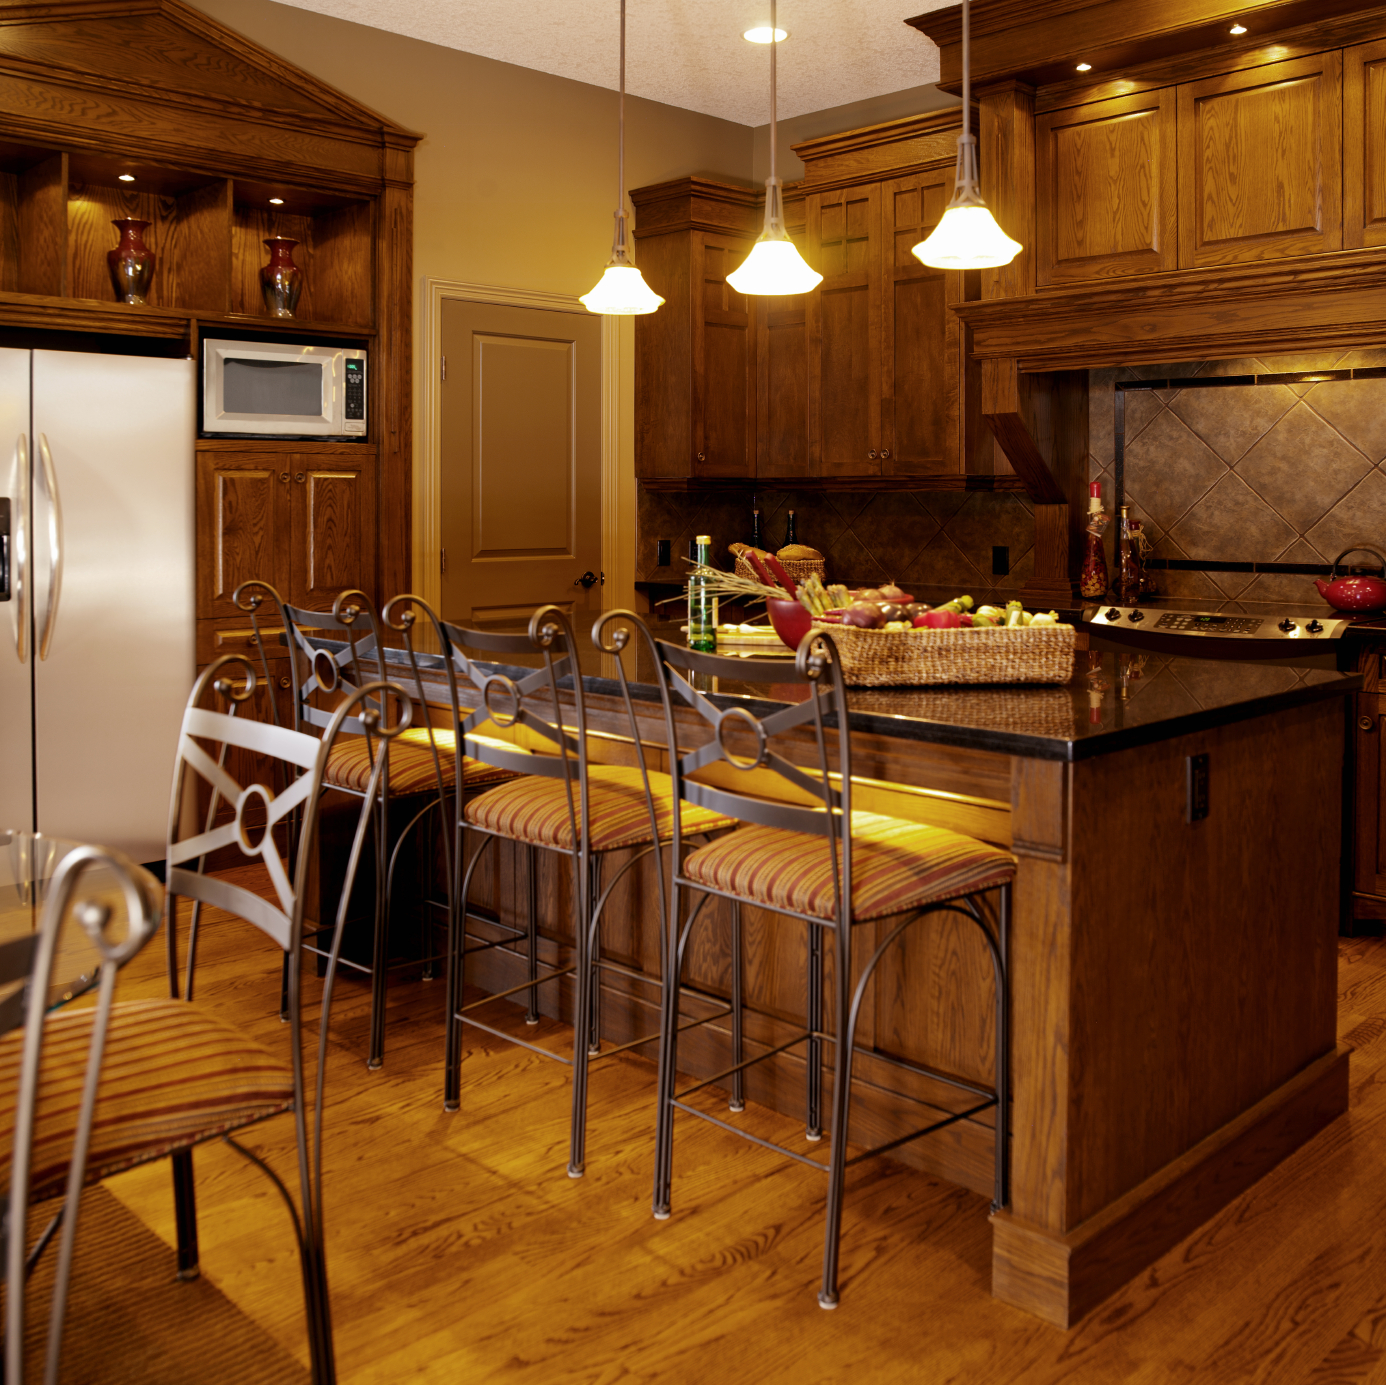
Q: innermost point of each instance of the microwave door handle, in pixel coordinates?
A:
(55, 547)
(19, 583)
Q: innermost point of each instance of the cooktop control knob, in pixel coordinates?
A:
(1286, 625)
(1136, 616)
(1113, 614)
(1314, 627)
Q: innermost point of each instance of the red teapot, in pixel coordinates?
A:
(1354, 593)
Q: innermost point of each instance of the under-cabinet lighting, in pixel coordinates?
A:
(1237, 29)
(276, 201)
(762, 34)
(1084, 67)
(126, 177)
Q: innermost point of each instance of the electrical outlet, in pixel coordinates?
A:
(1198, 787)
(662, 552)
(1000, 560)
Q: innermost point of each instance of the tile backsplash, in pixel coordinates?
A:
(1261, 473)
(925, 538)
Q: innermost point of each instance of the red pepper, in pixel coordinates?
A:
(786, 581)
(938, 620)
(765, 576)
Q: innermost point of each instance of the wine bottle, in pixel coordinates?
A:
(702, 609)
(790, 535)
(755, 528)
(1128, 583)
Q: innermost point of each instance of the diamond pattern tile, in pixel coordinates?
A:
(1231, 420)
(1359, 517)
(1357, 409)
(1168, 469)
(1233, 508)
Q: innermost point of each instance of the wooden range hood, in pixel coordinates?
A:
(1194, 196)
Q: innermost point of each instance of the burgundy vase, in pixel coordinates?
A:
(281, 281)
(132, 262)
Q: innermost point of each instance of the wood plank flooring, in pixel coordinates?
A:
(459, 1250)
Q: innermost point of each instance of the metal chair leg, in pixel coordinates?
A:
(594, 957)
(532, 934)
(456, 973)
(380, 946)
(184, 1214)
(738, 1091)
(582, 1020)
(842, 1103)
(813, 1062)
(1002, 1191)
(668, 1057)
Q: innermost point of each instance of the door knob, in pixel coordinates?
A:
(589, 579)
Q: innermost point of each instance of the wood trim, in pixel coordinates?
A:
(1062, 1277)
(428, 465)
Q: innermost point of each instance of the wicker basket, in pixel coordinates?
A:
(895, 658)
(799, 569)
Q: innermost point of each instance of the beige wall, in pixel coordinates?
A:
(515, 178)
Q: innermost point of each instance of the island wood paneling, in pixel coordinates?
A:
(1106, 189)
(1364, 144)
(1260, 163)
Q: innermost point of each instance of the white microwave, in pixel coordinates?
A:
(281, 390)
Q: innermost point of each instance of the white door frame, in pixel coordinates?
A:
(428, 464)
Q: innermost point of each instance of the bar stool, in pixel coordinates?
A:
(418, 765)
(830, 868)
(563, 803)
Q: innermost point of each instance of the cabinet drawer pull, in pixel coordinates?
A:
(284, 476)
(299, 477)
(872, 454)
(885, 454)
(1366, 723)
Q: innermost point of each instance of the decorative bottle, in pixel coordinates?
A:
(790, 533)
(132, 262)
(1093, 582)
(702, 607)
(755, 528)
(281, 281)
(1129, 566)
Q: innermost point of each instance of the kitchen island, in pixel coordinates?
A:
(1173, 973)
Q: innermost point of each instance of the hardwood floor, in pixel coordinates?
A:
(459, 1250)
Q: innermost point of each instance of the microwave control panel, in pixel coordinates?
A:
(355, 393)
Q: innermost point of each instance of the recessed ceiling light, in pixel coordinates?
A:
(1084, 67)
(276, 201)
(762, 34)
(126, 177)
(1237, 29)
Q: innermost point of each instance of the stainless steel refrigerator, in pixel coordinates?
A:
(97, 652)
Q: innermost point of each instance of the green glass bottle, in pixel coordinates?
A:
(702, 606)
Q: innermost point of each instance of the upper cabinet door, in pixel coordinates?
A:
(1106, 189)
(1260, 163)
(724, 404)
(921, 341)
(844, 331)
(1364, 145)
(782, 394)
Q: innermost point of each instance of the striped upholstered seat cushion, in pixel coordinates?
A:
(535, 810)
(411, 764)
(171, 1077)
(896, 866)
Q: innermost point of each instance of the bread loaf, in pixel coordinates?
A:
(799, 553)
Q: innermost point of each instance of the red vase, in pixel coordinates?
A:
(132, 262)
(281, 281)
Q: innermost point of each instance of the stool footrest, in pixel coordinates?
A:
(511, 1039)
(554, 974)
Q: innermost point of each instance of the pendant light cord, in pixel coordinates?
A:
(774, 85)
(966, 60)
(621, 122)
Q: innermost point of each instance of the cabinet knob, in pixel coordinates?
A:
(1366, 723)
(284, 476)
(300, 477)
(872, 454)
(284, 681)
(702, 456)
(885, 454)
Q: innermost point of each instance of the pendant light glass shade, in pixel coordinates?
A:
(967, 235)
(622, 290)
(774, 266)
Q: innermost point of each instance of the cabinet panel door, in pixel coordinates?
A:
(1369, 855)
(844, 332)
(243, 502)
(921, 351)
(333, 528)
(782, 371)
(724, 405)
(1106, 188)
(1260, 163)
(1364, 145)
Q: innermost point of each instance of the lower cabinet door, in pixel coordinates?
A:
(333, 527)
(1369, 836)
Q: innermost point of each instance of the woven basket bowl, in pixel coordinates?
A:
(799, 569)
(896, 658)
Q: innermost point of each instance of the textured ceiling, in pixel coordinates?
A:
(686, 53)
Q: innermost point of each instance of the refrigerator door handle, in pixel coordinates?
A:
(19, 549)
(55, 547)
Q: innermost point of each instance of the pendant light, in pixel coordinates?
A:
(622, 290)
(967, 236)
(774, 265)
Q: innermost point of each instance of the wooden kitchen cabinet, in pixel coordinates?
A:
(1106, 189)
(1364, 144)
(695, 373)
(782, 370)
(1260, 163)
(302, 521)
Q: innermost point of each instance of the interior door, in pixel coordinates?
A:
(16, 738)
(109, 695)
(521, 463)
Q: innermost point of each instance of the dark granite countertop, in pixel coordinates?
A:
(1116, 699)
